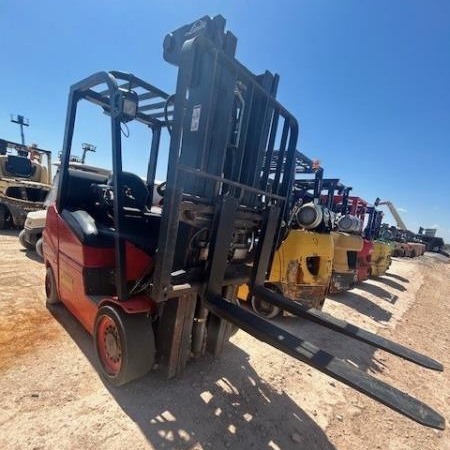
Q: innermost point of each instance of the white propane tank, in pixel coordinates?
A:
(309, 216)
(350, 224)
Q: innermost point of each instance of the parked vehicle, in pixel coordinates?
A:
(25, 180)
(383, 246)
(302, 265)
(347, 239)
(408, 243)
(355, 209)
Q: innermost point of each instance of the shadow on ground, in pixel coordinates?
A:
(244, 411)
(362, 304)
(344, 347)
(397, 277)
(9, 232)
(391, 283)
(378, 291)
(31, 254)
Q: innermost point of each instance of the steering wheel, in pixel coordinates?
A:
(103, 196)
(161, 188)
(135, 192)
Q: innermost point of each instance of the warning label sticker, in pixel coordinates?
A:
(195, 122)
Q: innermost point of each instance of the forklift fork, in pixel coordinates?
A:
(346, 328)
(335, 367)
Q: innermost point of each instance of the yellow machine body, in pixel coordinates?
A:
(418, 249)
(381, 258)
(302, 267)
(345, 261)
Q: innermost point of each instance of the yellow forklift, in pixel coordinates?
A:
(347, 239)
(383, 246)
(302, 265)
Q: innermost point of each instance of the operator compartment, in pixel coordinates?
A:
(89, 211)
(81, 211)
(87, 228)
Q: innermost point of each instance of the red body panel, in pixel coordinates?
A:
(67, 256)
(136, 304)
(364, 260)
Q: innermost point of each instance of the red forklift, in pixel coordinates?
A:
(159, 284)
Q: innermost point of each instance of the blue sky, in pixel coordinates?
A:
(369, 81)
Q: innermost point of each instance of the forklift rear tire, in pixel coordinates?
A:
(124, 345)
(23, 242)
(39, 247)
(51, 290)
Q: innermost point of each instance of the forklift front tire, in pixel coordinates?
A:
(23, 242)
(124, 345)
(51, 290)
(39, 247)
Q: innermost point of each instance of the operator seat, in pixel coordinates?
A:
(138, 227)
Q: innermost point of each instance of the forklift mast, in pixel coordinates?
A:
(345, 208)
(226, 185)
(312, 189)
(375, 217)
(353, 205)
(304, 166)
(332, 186)
(358, 207)
(225, 196)
(338, 196)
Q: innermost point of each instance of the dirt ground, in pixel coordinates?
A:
(253, 398)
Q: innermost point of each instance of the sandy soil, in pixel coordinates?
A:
(253, 398)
